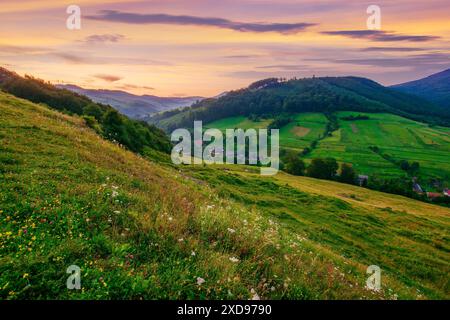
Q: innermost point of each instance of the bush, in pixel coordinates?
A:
(348, 174)
(323, 168)
(294, 165)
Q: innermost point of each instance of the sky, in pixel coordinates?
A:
(206, 47)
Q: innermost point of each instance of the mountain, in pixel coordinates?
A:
(435, 88)
(143, 229)
(133, 106)
(272, 97)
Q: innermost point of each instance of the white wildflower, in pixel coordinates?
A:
(193, 253)
(255, 295)
(234, 259)
(231, 230)
(200, 281)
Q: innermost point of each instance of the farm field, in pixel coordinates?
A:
(400, 138)
(305, 128)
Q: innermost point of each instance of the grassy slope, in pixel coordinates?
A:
(68, 197)
(408, 239)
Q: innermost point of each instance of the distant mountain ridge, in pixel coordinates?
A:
(435, 88)
(133, 106)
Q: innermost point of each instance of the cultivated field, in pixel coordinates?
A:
(400, 138)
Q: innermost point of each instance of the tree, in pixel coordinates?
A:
(294, 165)
(404, 165)
(323, 168)
(348, 174)
(414, 167)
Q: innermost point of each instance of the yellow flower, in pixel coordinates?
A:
(26, 276)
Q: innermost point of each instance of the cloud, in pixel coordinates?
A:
(287, 67)
(377, 35)
(391, 49)
(243, 56)
(107, 77)
(104, 38)
(21, 50)
(128, 86)
(71, 58)
(414, 61)
(135, 18)
(87, 58)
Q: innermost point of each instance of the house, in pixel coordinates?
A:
(417, 188)
(362, 180)
(433, 195)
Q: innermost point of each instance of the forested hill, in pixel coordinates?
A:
(272, 97)
(435, 88)
(137, 136)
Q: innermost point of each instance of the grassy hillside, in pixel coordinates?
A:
(139, 229)
(137, 136)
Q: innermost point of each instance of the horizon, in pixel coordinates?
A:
(164, 48)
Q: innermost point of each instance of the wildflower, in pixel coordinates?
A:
(193, 253)
(25, 276)
(231, 230)
(117, 212)
(200, 281)
(255, 295)
(234, 259)
(180, 240)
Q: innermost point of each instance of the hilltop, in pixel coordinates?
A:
(137, 136)
(140, 228)
(273, 97)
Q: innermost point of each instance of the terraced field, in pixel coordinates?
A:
(400, 138)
